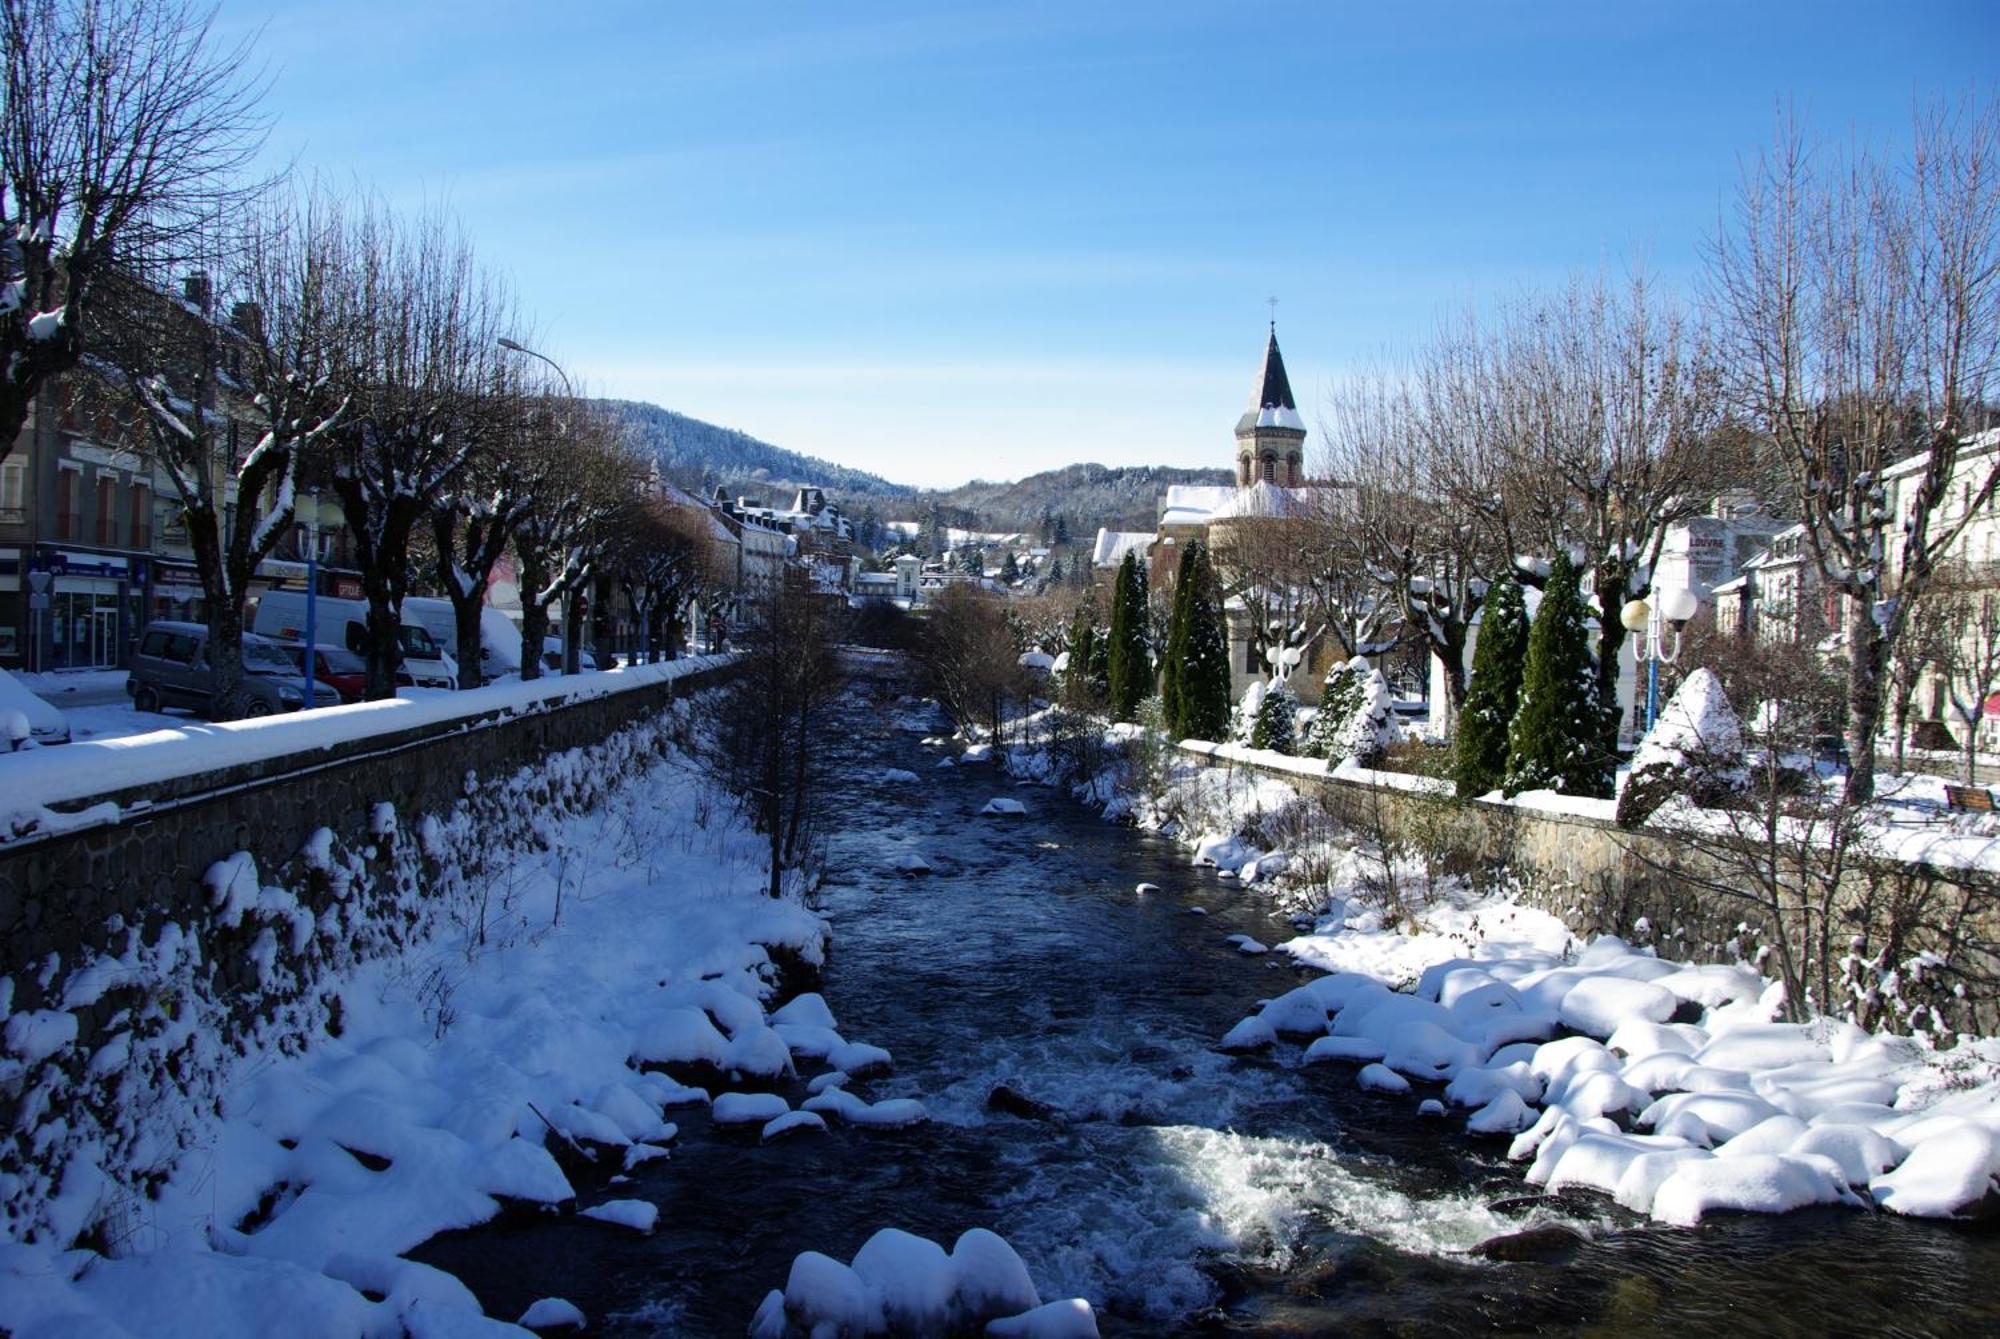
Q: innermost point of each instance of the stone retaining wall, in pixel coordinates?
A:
(187, 919)
(147, 862)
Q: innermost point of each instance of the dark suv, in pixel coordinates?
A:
(171, 669)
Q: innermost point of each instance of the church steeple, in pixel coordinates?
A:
(1270, 437)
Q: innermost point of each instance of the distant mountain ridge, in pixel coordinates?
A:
(696, 453)
(1076, 499)
(1117, 497)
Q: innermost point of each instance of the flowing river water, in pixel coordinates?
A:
(1181, 1190)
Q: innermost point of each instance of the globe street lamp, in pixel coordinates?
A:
(1672, 607)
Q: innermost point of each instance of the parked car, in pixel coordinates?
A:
(347, 672)
(170, 669)
(282, 614)
(26, 719)
(552, 656)
(499, 639)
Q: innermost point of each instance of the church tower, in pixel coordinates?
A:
(1271, 437)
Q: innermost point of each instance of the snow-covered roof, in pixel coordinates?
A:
(1972, 444)
(1113, 545)
(1192, 504)
(1264, 500)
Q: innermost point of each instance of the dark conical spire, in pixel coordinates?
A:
(1271, 402)
(1274, 388)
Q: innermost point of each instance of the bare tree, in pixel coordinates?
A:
(582, 474)
(234, 405)
(1860, 302)
(1965, 650)
(968, 653)
(1602, 400)
(122, 126)
(1418, 497)
(419, 369)
(474, 519)
(771, 738)
(662, 557)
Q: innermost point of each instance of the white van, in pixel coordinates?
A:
(282, 614)
(499, 639)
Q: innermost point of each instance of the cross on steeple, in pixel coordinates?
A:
(1273, 303)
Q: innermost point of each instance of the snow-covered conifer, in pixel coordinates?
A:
(1495, 691)
(1275, 715)
(1556, 739)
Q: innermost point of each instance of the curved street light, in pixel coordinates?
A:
(1672, 606)
(515, 346)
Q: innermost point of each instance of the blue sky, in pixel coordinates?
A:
(940, 241)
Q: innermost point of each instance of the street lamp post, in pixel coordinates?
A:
(1671, 608)
(515, 346)
(313, 544)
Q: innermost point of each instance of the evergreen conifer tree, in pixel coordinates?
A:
(1131, 663)
(1204, 678)
(1494, 694)
(1339, 695)
(1081, 687)
(1556, 741)
(1274, 720)
(1175, 660)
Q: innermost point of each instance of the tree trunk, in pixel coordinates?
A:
(572, 601)
(602, 634)
(534, 617)
(384, 642)
(465, 613)
(1866, 652)
(1613, 589)
(225, 657)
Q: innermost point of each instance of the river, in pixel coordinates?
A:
(1181, 1190)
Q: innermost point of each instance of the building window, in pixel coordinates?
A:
(141, 534)
(13, 492)
(107, 510)
(66, 488)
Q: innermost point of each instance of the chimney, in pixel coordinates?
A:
(247, 317)
(196, 289)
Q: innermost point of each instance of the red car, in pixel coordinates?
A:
(335, 665)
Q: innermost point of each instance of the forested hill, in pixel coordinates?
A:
(698, 454)
(1076, 499)
(1124, 497)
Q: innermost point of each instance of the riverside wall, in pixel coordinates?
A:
(148, 930)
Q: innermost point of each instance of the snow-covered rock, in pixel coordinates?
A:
(638, 1215)
(748, 1108)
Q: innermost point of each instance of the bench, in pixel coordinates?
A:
(1975, 798)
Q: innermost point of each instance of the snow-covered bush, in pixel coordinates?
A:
(1243, 721)
(1357, 717)
(1274, 728)
(1695, 749)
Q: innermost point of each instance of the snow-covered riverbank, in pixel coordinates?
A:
(456, 1074)
(1671, 1086)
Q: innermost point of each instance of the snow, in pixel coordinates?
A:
(635, 1214)
(1697, 722)
(901, 1283)
(552, 1313)
(88, 768)
(1762, 1183)
(1004, 805)
(1381, 1079)
(1667, 1085)
(748, 1108)
(792, 1122)
(1071, 1318)
(458, 1065)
